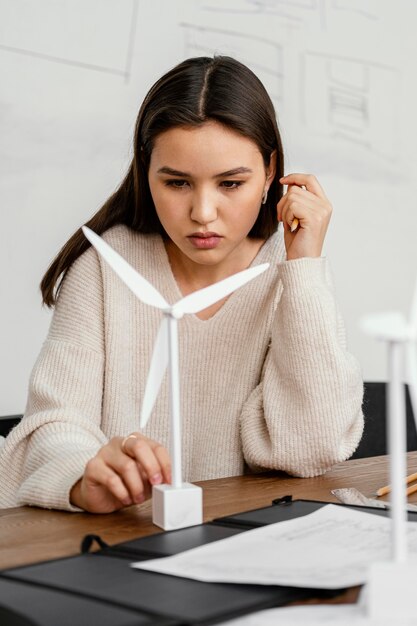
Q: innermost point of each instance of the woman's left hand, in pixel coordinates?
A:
(311, 208)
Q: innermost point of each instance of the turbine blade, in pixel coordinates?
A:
(136, 283)
(411, 375)
(159, 363)
(201, 299)
(390, 326)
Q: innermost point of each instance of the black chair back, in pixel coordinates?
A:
(374, 440)
(7, 422)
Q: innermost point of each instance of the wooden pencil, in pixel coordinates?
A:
(382, 491)
(411, 490)
(294, 224)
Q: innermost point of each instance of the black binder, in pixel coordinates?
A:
(103, 588)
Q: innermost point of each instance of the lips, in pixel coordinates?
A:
(205, 241)
(205, 235)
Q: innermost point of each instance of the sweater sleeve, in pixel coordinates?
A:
(46, 453)
(305, 415)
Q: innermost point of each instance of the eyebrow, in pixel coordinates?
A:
(233, 172)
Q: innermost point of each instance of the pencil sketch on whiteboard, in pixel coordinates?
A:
(72, 41)
(264, 56)
(350, 100)
(300, 13)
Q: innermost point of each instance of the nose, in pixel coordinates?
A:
(204, 207)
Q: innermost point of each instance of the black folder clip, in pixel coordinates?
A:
(283, 500)
(89, 540)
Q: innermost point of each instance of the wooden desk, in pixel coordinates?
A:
(29, 535)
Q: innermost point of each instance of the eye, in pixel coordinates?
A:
(232, 184)
(176, 183)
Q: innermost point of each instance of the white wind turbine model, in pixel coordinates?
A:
(179, 504)
(392, 584)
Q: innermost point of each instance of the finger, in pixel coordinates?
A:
(99, 473)
(126, 468)
(288, 200)
(294, 192)
(129, 472)
(308, 180)
(281, 206)
(296, 213)
(293, 212)
(164, 459)
(297, 196)
(140, 449)
(147, 487)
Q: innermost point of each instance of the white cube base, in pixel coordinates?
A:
(391, 590)
(177, 507)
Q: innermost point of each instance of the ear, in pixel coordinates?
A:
(272, 168)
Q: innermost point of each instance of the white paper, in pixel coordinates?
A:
(330, 548)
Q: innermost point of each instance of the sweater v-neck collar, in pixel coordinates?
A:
(173, 292)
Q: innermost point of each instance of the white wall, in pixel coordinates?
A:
(72, 77)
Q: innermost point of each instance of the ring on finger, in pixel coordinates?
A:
(125, 441)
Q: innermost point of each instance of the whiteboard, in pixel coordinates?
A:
(74, 72)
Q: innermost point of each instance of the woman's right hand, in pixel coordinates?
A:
(120, 476)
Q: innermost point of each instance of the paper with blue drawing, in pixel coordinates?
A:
(330, 549)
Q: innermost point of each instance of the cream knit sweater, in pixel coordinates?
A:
(266, 381)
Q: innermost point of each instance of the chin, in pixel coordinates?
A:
(205, 257)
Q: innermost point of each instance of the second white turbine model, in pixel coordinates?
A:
(392, 584)
(179, 504)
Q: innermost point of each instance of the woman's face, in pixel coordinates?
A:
(207, 184)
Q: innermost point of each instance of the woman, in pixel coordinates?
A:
(266, 379)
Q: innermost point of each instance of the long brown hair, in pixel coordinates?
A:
(196, 90)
